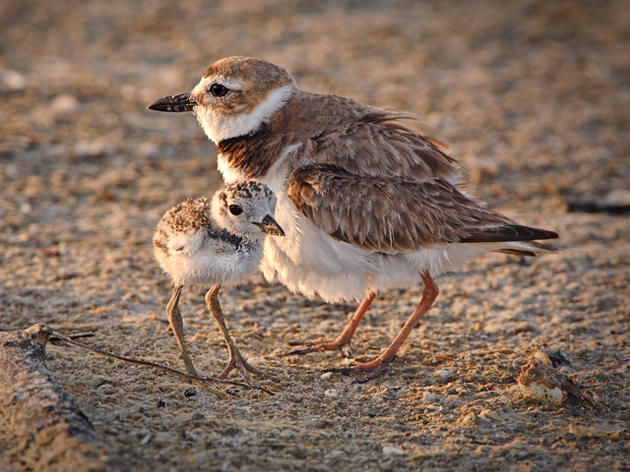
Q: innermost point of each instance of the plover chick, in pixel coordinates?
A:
(201, 243)
(366, 202)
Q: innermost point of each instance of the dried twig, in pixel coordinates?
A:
(54, 339)
(203, 380)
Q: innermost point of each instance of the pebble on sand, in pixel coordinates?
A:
(392, 451)
(443, 374)
(428, 397)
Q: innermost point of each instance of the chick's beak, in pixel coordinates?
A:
(269, 225)
(174, 103)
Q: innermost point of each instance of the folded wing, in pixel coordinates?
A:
(392, 214)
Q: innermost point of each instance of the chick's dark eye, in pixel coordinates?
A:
(218, 90)
(235, 209)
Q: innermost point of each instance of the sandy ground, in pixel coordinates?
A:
(533, 97)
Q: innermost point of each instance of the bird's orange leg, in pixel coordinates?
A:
(344, 338)
(376, 366)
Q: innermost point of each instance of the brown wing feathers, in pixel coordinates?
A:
(394, 214)
(378, 145)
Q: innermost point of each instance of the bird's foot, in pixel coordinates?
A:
(340, 345)
(190, 367)
(374, 368)
(238, 362)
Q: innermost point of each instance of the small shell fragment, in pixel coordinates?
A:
(543, 393)
(393, 451)
(443, 374)
(490, 415)
(541, 381)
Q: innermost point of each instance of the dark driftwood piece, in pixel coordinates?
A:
(53, 433)
(597, 207)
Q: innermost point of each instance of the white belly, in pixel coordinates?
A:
(309, 261)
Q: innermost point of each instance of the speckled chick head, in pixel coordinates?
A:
(246, 208)
(181, 230)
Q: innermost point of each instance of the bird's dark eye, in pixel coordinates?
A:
(218, 90)
(235, 209)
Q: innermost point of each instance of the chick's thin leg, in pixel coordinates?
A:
(177, 325)
(236, 360)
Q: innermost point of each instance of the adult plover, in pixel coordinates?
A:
(366, 203)
(206, 243)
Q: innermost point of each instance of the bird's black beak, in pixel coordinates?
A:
(269, 225)
(174, 103)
